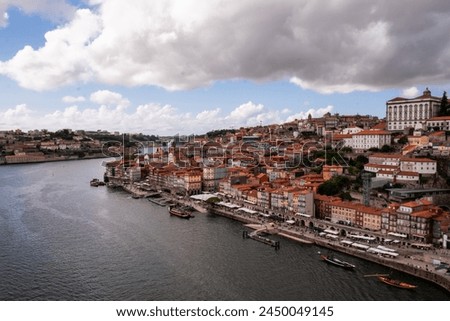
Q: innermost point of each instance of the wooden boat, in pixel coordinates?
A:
(96, 182)
(335, 261)
(177, 211)
(396, 283)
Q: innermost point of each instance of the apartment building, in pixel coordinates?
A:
(370, 139)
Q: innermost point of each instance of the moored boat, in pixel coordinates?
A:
(335, 261)
(177, 211)
(396, 283)
(96, 182)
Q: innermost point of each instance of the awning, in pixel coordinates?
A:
(378, 251)
(331, 236)
(383, 248)
(419, 245)
(360, 246)
(247, 210)
(362, 237)
(397, 234)
(203, 197)
(301, 214)
(229, 205)
(331, 232)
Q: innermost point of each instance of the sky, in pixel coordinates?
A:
(169, 67)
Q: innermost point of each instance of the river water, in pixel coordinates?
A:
(61, 239)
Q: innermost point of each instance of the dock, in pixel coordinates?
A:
(262, 239)
(158, 201)
(297, 239)
(265, 228)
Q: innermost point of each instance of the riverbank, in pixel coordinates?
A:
(418, 263)
(18, 160)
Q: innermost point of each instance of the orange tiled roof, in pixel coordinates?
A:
(373, 132)
(417, 160)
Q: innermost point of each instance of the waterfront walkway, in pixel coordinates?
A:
(417, 262)
(412, 261)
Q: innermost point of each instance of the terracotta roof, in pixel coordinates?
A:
(393, 167)
(358, 207)
(341, 136)
(418, 160)
(439, 133)
(385, 172)
(326, 198)
(425, 214)
(385, 155)
(439, 118)
(422, 202)
(380, 126)
(373, 132)
(406, 173)
(425, 96)
(398, 99)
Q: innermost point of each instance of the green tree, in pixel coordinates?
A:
(403, 140)
(443, 109)
(387, 149)
(334, 186)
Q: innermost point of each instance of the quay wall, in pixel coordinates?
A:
(396, 264)
(238, 218)
(34, 160)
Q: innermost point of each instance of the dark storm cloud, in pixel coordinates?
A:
(327, 46)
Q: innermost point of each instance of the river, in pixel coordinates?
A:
(61, 239)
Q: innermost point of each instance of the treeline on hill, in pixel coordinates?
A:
(220, 132)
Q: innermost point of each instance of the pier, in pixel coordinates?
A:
(255, 236)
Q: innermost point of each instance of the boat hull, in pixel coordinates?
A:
(179, 213)
(396, 283)
(337, 262)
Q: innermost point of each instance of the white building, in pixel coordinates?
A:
(404, 113)
(385, 159)
(419, 165)
(371, 139)
(441, 122)
(351, 130)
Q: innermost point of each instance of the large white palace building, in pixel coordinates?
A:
(404, 113)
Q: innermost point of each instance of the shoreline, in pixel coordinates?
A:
(55, 159)
(409, 265)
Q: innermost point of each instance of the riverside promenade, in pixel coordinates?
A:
(415, 262)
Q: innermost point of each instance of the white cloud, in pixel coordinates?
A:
(246, 110)
(4, 19)
(106, 97)
(313, 112)
(322, 87)
(71, 99)
(410, 92)
(54, 10)
(61, 61)
(341, 47)
(14, 118)
(147, 118)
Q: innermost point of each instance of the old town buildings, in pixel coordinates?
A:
(284, 169)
